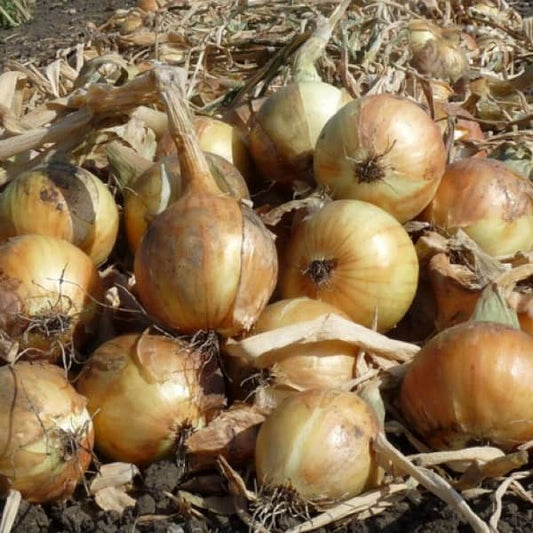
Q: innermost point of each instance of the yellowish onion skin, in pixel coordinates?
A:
(63, 201)
(471, 383)
(319, 443)
(50, 292)
(287, 126)
(382, 149)
(143, 390)
(356, 257)
(46, 433)
(489, 202)
(154, 190)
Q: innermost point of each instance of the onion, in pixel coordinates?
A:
(356, 257)
(472, 383)
(382, 149)
(207, 261)
(287, 126)
(217, 137)
(46, 433)
(64, 201)
(161, 185)
(143, 391)
(49, 295)
(489, 202)
(319, 443)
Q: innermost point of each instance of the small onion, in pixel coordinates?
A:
(319, 443)
(287, 126)
(356, 257)
(64, 201)
(143, 390)
(46, 433)
(161, 185)
(49, 294)
(472, 384)
(489, 202)
(382, 149)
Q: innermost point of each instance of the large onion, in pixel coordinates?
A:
(49, 295)
(64, 201)
(356, 257)
(382, 149)
(489, 202)
(319, 443)
(143, 391)
(472, 384)
(46, 433)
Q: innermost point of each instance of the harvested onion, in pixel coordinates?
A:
(46, 433)
(143, 391)
(64, 201)
(489, 202)
(472, 383)
(356, 257)
(382, 149)
(319, 443)
(49, 295)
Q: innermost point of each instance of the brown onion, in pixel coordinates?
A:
(472, 383)
(489, 202)
(382, 149)
(64, 201)
(356, 257)
(319, 443)
(144, 390)
(50, 293)
(46, 433)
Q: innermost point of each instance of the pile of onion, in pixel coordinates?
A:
(46, 433)
(144, 390)
(64, 201)
(382, 149)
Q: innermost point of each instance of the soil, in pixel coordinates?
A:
(58, 26)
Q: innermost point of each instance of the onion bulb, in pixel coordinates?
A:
(64, 201)
(489, 202)
(216, 137)
(46, 433)
(382, 149)
(471, 384)
(287, 126)
(319, 443)
(161, 185)
(49, 295)
(143, 391)
(208, 261)
(356, 257)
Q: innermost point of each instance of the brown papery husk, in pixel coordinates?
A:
(225, 257)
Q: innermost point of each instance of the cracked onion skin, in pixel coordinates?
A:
(471, 384)
(382, 149)
(490, 202)
(46, 433)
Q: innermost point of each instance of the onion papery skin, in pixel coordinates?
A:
(63, 201)
(370, 262)
(323, 364)
(207, 262)
(287, 126)
(50, 293)
(46, 433)
(382, 149)
(154, 190)
(319, 442)
(488, 201)
(143, 390)
(216, 137)
(470, 384)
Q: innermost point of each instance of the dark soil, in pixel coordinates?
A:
(58, 26)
